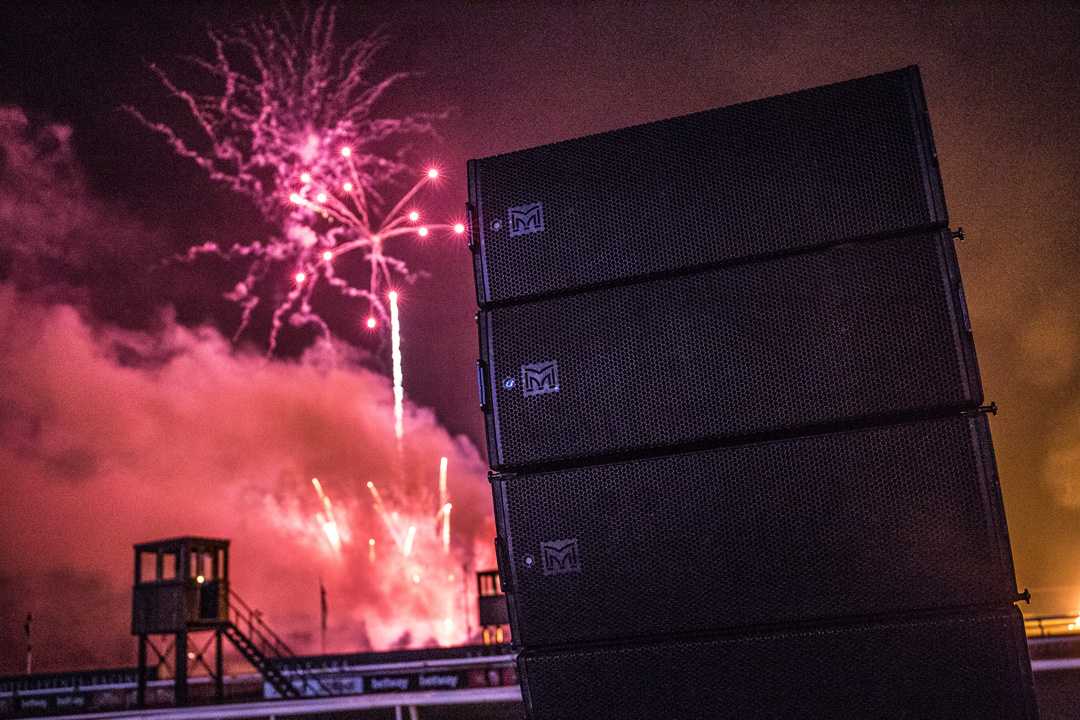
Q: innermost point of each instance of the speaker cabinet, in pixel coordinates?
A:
(732, 402)
(963, 666)
(850, 332)
(850, 160)
(885, 519)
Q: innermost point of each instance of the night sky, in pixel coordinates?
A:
(1001, 83)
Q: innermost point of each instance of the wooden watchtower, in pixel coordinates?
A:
(181, 587)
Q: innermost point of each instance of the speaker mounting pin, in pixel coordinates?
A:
(992, 409)
(529, 560)
(496, 226)
(509, 383)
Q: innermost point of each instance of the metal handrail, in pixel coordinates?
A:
(256, 627)
(241, 614)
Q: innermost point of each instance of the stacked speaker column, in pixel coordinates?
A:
(741, 466)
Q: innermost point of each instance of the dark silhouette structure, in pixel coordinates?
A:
(182, 589)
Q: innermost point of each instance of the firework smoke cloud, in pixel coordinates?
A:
(115, 436)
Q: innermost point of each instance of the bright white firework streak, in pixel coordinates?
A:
(395, 353)
(410, 536)
(446, 527)
(444, 505)
(327, 521)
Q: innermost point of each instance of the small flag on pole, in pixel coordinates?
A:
(323, 611)
(29, 646)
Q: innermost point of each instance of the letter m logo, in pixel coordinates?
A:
(525, 219)
(560, 556)
(540, 378)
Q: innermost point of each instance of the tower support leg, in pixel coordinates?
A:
(140, 683)
(219, 668)
(181, 669)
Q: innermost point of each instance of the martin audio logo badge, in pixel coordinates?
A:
(540, 378)
(526, 219)
(560, 556)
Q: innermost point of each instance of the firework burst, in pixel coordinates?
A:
(291, 125)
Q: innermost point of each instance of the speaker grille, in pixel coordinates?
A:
(962, 667)
(843, 161)
(847, 332)
(889, 519)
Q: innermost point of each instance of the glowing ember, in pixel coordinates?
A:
(422, 232)
(414, 216)
(328, 256)
(432, 173)
(371, 323)
(459, 228)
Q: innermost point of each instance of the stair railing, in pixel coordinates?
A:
(268, 643)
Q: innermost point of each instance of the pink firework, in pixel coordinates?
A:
(292, 127)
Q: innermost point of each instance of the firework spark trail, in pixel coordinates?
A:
(292, 126)
(443, 463)
(326, 518)
(388, 518)
(395, 350)
(446, 508)
(444, 504)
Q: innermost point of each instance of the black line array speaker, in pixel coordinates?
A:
(749, 535)
(845, 161)
(733, 409)
(964, 666)
(853, 331)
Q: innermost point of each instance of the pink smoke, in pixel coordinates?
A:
(111, 436)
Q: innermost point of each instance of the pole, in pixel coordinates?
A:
(180, 693)
(29, 646)
(219, 667)
(140, 684)
(322, 614)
